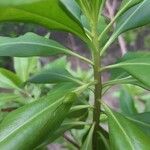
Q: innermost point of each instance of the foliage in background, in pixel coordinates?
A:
(45, 102)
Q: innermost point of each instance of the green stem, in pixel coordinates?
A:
(98, 85)
(97, 105)
(80, 57)
(111, 40)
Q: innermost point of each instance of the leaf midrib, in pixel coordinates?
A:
(123, 131)
(28, 121)
(48, 19)
(138, 121)
(33, 43)
(140, 5)
(63, 76)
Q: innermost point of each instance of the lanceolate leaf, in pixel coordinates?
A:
(136, 16)
(29, 45)
(61, 130)
(126, 4)
(9, 79)
(124, 134)
(54, 73)
(87, 145)
(135, 64)
(48, 13)
(30, 125)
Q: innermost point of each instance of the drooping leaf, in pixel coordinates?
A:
(9, 79)
(125, 134)
(30, 45)
(142, 120)
(87, 145)
(30, 125)
(46, 13)
(24, 67)
(136, 65)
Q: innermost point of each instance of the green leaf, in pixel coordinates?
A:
(9, 80)
(126, 4)
(142, 120)
(29, 45)
(6, 98)
(73, 7)
(58, 133)
(87, 145)
(133, 18)
(54, 73)
(46, 13)
(24, 67)
(124, 134)
(135, 64)
(126, 102)
(32, 123)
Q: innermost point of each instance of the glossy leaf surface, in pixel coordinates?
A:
(46, 13)
(54, 73)
(29, 45)
(29, 125)
(135, 64)
(136, 16)
(124, 134)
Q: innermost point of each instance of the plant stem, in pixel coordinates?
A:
(97, 98)
(98, 85)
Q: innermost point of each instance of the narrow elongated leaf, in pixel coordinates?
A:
(29, 45)
(135, 64)
(58, 133)
(87, 145)
(8, 79)
(54, 73)
(133, 18)
(46, 13)
(126, 4)
(54, 76)
(29, 125)
(124, 134)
